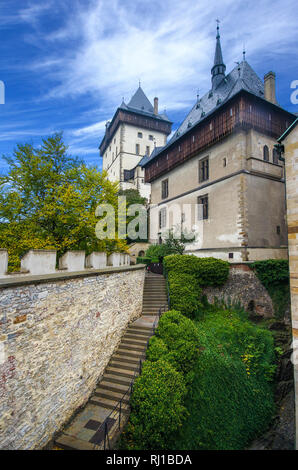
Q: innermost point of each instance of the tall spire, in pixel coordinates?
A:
(218, 69)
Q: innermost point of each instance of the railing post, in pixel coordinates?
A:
(104, 446)
(120, 413)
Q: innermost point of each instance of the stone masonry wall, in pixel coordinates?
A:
(56, 339)
(243, 286)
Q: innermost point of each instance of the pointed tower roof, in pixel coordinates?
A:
(219, 68)
(218, 59)
(140, 101)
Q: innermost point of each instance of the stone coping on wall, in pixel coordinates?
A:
(61, 276)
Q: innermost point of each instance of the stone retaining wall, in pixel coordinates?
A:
(57, 336)
(243, 286)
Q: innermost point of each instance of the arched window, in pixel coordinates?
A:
(275, 156)
(141, 253)
(265, 153)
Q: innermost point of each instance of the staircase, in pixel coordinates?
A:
(155, 294)
(85, 430)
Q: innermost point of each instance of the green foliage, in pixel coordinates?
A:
(132, 197)
(176, 341)
(156, 251)
(272, 271)
(143, 260)
(274, 275)
(230, 399)
(208, 271)
(48, 200)
(157, 407)
(185, 294)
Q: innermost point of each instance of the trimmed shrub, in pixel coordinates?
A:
(207, 271)
(176, 341)
(143, 260)
(157, 407)
(184, 294)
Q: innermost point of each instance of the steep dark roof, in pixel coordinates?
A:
(140, 101)
(140, 104)
(242, 77)
(218, 59)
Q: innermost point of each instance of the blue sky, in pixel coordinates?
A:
(66, 64)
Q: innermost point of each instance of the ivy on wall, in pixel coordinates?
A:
(274, 275)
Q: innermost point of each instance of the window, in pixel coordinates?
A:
(151, 137)
(278, 229)
(204, 169)
(148, 150)
(182, 217)
(140, 135)
(224, 162)
(138, 149)
(231, 255)
(162, 217)
(265, 153)
(275, 156)
(164, 189)
(203, 207)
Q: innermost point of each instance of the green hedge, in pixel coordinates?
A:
(176, 341)
(185, 294)
(157, 407)
(146, 260)
(205, 385)
(208, 271)
(274, 275)
(231, 396)
(187, 274)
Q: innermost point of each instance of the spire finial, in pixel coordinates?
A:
(139, 83)
(217, 28)
(244, 52)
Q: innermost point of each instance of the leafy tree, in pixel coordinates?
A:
(48, 200)
(132, 197)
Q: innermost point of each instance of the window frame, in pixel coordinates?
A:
(266, 153)
(165, 188)
(203, 200)
(138, 149)
(203, 168)
(162, 218)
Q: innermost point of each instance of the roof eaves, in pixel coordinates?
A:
(288, 130)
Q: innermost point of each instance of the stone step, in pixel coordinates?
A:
(120, 371)
(124, 358)
(117, 379)
(140, 328)
(108, 403)
(149, 314)
(72, 443)
(133, 347)
(142, 334)
(130, 352)
(133, 340)
(112, 395)
(113, 387)
(126, 366)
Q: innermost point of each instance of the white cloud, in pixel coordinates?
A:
(90, 131)
(169, 46)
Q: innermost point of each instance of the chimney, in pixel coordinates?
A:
(156, 106)
(269, 87)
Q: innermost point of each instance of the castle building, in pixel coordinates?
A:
(131, 136)
(288, 144)
(222, 162)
